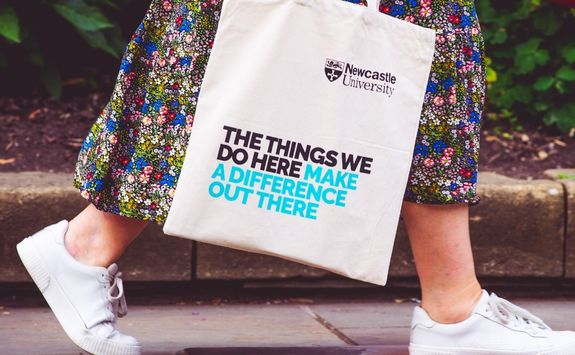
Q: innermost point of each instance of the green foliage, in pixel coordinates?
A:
(83, 16)
(31, 33)
(565, 176)
(9, 26)
(530, 49)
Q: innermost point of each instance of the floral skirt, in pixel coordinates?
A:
(131, 158)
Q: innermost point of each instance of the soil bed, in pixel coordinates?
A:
(41, 134)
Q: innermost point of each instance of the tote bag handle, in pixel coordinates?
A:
(373, 4)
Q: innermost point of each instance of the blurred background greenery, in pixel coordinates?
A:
(70, 47)
(63, 47)
(531, 64)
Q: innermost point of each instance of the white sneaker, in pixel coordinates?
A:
(496, 326)
(86, 300)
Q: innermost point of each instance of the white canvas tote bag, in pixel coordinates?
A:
(303, 135)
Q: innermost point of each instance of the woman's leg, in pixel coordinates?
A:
(439, 238)
(99, 238)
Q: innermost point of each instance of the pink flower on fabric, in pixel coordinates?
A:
(148, 169)
(425, 11)
(448, 151)
(143, 178)
(428, 162)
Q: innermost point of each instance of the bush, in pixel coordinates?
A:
(530, 47)
(62, 41)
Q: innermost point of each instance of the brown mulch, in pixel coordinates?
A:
(41, 134)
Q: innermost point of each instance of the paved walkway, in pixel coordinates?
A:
(301, 326)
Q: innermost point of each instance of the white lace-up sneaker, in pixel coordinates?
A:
(496, 326)
(86, 300)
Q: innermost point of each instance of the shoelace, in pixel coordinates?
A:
(508, 312)
(116, 291)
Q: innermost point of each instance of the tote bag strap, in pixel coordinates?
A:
(373, 4)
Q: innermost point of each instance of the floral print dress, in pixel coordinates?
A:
(131, 158)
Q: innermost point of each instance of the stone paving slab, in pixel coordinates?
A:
(369, 323)
(174, 328)
(557, 313)
(374, 327)
(348, 350)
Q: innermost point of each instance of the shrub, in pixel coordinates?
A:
(530, 47)
(59, 40)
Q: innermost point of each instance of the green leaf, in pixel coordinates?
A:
(97, 39)
(541, 106)
(544, 83)
(110, 3)
(560, 86)
(52, 81)
(565, 176)
(529, 46)
(507, 135)
(547, 22)
(524, 64)
(83, 16)
(9, 25)
(541, 56)
(566, 73)
(490, 75)
(499, 37)
(528, 56)
(563, 117)
(486, 11)
(525, 9)
(568, 54)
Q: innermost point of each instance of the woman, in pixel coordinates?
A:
(130, 161)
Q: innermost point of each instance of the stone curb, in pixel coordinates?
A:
(518, 230)
(567, 178)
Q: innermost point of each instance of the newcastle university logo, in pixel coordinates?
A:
(370, 79)
(333, 69)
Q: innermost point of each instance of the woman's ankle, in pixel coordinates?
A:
(452, 307)
(87, 249)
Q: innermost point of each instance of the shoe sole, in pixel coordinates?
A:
(62, 307)
(425, 350)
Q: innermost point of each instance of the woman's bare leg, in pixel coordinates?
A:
(99, 238)
(440, 241)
